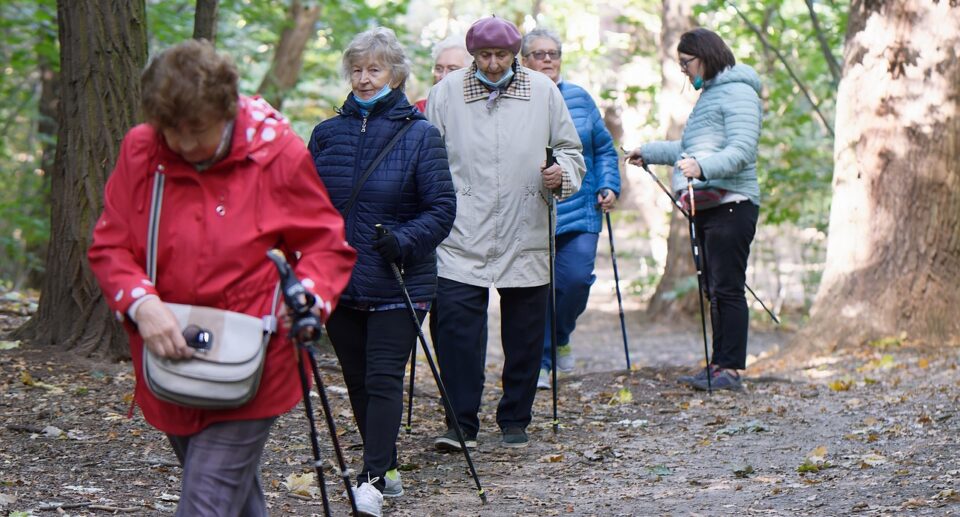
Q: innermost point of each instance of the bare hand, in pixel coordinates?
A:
(606, 199)
(634, 157)
(161, 331)
(690, 168)
(552, 176)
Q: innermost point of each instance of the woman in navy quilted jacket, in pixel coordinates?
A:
(579, 218)
(411, 194)
(718, 151)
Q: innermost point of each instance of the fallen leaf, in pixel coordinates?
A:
(923, 362)
(622, 397)
(551, 458)
(9, 345)
(840, 385)
(302, 484)
(871, 460)
(659, 470)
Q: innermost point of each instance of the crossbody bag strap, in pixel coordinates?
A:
(156, 202)
(376, 161)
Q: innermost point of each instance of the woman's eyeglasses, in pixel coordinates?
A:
(685, 62)
(539, 55)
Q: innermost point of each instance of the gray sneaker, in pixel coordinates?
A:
(393, 485)
(448, 442)
(721, 380)
(369, 499)
(515, 437)
(543, 382)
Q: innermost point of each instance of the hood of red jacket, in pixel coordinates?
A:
(260, 133)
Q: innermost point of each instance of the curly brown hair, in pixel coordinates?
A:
(189, 82)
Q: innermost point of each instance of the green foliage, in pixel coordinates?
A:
(29, 36)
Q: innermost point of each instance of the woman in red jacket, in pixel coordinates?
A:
(238, 183)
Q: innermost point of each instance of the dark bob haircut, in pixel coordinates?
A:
(714, 54)
(189, 82)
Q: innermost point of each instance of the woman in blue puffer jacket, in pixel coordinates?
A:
(718, 151)
(410, 193)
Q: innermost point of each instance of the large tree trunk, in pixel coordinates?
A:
(893, 251)
(103, 47)
(205, 20)
(671, 297)
(288, 58)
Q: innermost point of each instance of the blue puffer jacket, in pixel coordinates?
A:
(722, 133)
(580, 213)
(410, 193)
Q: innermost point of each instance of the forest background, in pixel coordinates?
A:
(69, 90)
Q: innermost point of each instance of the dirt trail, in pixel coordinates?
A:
(870, 431)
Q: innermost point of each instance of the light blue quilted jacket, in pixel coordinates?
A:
(721, 133)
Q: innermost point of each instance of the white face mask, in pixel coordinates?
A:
(503, 80)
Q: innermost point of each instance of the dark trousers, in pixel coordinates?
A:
(462, 349)
(725, 233)
(221, 469)
(373, 348)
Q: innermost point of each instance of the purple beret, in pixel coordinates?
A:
(493, 32)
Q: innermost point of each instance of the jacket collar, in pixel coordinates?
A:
(474, 90)
(394, 106)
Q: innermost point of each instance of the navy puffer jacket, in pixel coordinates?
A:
(410, 193)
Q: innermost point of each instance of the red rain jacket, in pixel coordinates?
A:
(215, 229)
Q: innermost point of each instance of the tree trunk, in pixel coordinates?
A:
(671, 298)
(103, 47)
(893, 251)
(205, 21)
(288, 58)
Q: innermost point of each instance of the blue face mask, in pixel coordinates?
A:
(697, 82)
(368, 104)
(503, 80)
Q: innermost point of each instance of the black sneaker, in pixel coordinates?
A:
(448, 442)
(701, 375)
(721, 380)
(515, 438)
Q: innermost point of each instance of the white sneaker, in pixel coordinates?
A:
(369, 499)
(565, 358)
(393, 485)
(543, 382)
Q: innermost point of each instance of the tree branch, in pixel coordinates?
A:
(824, 46)
(771, 48)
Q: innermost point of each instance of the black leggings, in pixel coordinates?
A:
(373, 349)
(725, 233)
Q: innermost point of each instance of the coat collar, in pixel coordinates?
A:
(474, 90)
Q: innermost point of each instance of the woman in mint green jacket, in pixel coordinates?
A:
(718, 151)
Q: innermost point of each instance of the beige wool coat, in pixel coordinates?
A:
(495, 147)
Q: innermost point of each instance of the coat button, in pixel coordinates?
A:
(221, 210)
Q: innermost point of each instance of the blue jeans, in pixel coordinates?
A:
(573, 274)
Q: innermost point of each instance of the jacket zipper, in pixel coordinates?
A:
(363, 126)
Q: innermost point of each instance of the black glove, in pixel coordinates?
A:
(388, 247)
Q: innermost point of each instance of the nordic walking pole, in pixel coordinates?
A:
(413, 373)
(305, 330)
(552, 238)
(686, 214)
(695, 245)
(383, 232)
(616, 281)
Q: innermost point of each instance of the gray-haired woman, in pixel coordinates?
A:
(411, 194)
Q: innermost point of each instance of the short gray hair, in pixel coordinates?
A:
(537, 34)
(378, 43)
(447, 44)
